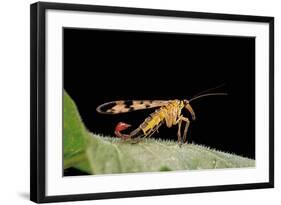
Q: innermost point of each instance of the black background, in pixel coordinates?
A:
(106, 65)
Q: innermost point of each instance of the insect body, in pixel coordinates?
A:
(169, 112)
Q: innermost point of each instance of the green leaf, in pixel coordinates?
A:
(109, 155)
(75, 134)
(97, 154)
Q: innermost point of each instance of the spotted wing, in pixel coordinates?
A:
(121, 106)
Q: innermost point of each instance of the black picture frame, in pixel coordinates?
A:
(38, 100)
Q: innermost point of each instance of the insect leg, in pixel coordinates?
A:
(185, 128)
(169, 119)
(155, 129)
(179, 129)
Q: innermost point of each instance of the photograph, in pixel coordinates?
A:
(132, 102)
(145, 101)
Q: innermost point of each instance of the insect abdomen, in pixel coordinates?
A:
(152, 121)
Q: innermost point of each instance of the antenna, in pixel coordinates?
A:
(207, 90)
(205, 95)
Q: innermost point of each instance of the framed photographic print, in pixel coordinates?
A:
(129, 102)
